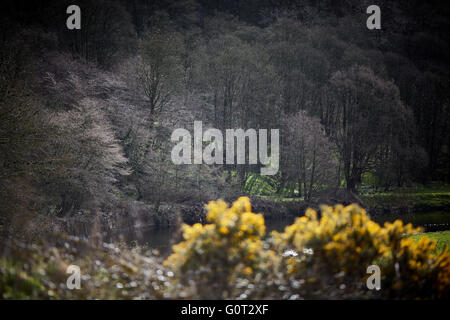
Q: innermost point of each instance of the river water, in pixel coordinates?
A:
(162, 239)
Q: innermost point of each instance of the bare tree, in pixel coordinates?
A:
(158, 69)
(364, 115)
(308, 154)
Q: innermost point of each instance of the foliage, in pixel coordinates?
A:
(103, 22)
(338, 247)
(442, 239)
(231, 257)
(218, 255)
(38, 271)
(158, 69)
(77, 140)
(308, 162)
(357, 120)
(418, 199)
(71, 123)
(324, 257)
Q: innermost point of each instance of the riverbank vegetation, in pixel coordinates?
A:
(442, 239)
(86, 118)
(420, 198)
(232, 257)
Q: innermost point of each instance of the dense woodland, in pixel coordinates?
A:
(86, 115)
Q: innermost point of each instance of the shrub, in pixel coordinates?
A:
(316, 257)
(322, 255)
(38, 271)
(218, 259)
(335, 250)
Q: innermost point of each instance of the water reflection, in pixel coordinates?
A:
(430, 221)
(162, 239)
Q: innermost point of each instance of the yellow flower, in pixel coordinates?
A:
(224, 230)
(343, 239)
(248, 271)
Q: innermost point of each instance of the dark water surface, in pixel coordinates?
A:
(163, 238)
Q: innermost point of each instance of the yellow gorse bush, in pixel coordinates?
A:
(235, 229)
(228, 247)
(345, 241)
(322, 255)
(415, 266)
(344, 237)
(333, 249)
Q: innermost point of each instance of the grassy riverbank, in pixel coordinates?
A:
(418, 199)
(224, 260)
(415, 199)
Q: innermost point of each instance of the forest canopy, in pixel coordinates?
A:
(86, 115)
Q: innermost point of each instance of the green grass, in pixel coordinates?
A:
(279, 198)
(420, 197)
(442, 239)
